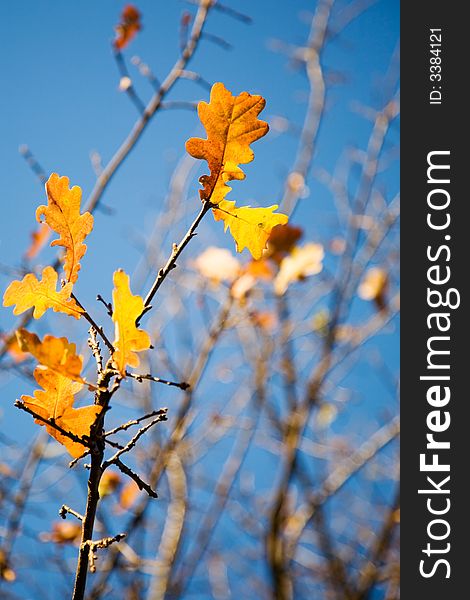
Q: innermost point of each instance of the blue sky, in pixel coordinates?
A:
(61, 98)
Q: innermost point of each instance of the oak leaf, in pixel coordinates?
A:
(128, 338)
(232, 124)
(127, 29)
(250, 227)
(62, 214)
(30, 292)
(55, 401)
(57, 354)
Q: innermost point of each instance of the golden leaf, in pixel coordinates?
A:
(250, 227)
(62, 214)
(128, 338)
(30, 292)
(232, 124)
(57, 354)
(55, 401)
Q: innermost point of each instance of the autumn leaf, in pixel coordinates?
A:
(128, 338)
(282, 240)
(127, 29)
(30, 292)
(232, 124)
(57, 354)
(62, 214)
(250, 227)
(38, 240)
(55, 401)
(300, 263)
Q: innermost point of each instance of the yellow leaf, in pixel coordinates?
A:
(57, 354)
(62, 214)
(30, 292)
(232, 124)
(250, 227)
(55, 401)
(128, 338)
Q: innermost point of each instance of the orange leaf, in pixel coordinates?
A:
(62, 214)
(127, 29)
(57, 354)
(30, 292)
(55, 401)
(232, 124)
(38, 240)
(128, 338)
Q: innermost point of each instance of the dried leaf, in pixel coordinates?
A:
(30, 292)
(303, 261)
(282, 240)
(38, 240)
(217, 264)
(62, 214)
(250, 227)
(127, 29)
(55, 401)
(57, 354)
(128, 338)
(232, 124)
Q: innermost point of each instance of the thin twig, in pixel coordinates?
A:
(134, 422)
(139, 377)
(131, 444)
(130, 473)
(64, 509)
(85, 441)
(98, 329)
(175, 253)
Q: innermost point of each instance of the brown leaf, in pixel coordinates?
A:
(128, 27)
